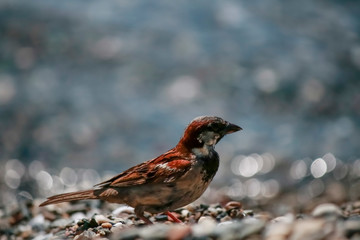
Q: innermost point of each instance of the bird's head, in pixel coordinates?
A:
(206, 132)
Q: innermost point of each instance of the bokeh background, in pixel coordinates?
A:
(90, 88)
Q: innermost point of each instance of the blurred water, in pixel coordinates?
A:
(106, 85)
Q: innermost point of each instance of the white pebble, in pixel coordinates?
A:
(121, 209)
(101, 219)
(288, 218)
(326, 209)
(205, 226)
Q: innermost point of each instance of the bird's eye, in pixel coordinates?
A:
(215, 127)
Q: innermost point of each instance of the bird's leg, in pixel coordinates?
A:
(175, 219)
(139, 211)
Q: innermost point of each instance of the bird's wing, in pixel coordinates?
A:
(164, 169)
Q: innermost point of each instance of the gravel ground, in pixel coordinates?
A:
(231, 220)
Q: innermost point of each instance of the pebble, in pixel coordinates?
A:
(226, 219)
(248, 212)
(352, 226)
(205, 226)
(233, 205)
(265, 216)
(78, 207)
(86, 235)
(179, 232)
(327, 210)
(311, 229)
(190, 208)
(278, 231)
(156, 231)
(185, 213)
(203, 207)
(123, 209)
(161, 218)
(213, 211)
(288, 218)
(78, 216)
(43, 236)
(356, 204)
(93, 222)
(49, 215)
(37, 221)
(200, 222)
(61, 222)
(101, 219)
(25, 231)
(106, 225)
(239, 229)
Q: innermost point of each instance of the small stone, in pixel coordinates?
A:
(204, 206)
(215, 211)
(42, 236)
(311, 229)
(239, 229)
(191, 219)
(225, 219)
(248, 212)
(78, 216)
(106, 225)
(25, 231)
(205, 226)
(93, 223)
(236, 213)
(118, 228)
(101, 232)
(161, 218)
(125, 233)
(185, 213)
(49, 215)
(123, 209)
(278, 230)
(16, 217)
(81, 222)
(356, 204)
(190, 208)
(119, 224)
(155, 231)
(38, 220)
(26, 234)
(86, 235)
(221, 215)
(60, 223)
(352, 226)
(265, 216)
(179, 232)
(101, 219)
(233, 205)
(288, 218)
(197, 215)
(326, 210)
(79, 207)
(107, 231)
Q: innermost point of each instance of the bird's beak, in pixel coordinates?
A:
(230, 128)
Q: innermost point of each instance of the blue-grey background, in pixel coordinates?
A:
(107, 84)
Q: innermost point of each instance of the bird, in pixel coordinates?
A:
(169, 181)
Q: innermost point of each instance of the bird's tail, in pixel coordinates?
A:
(68, 197)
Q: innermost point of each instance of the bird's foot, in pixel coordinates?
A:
(175, 219)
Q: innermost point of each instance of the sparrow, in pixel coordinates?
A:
(169, 181)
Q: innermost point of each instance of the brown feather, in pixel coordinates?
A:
(68, 197)
(165, 168)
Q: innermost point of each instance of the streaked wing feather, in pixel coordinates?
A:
(165, 168)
